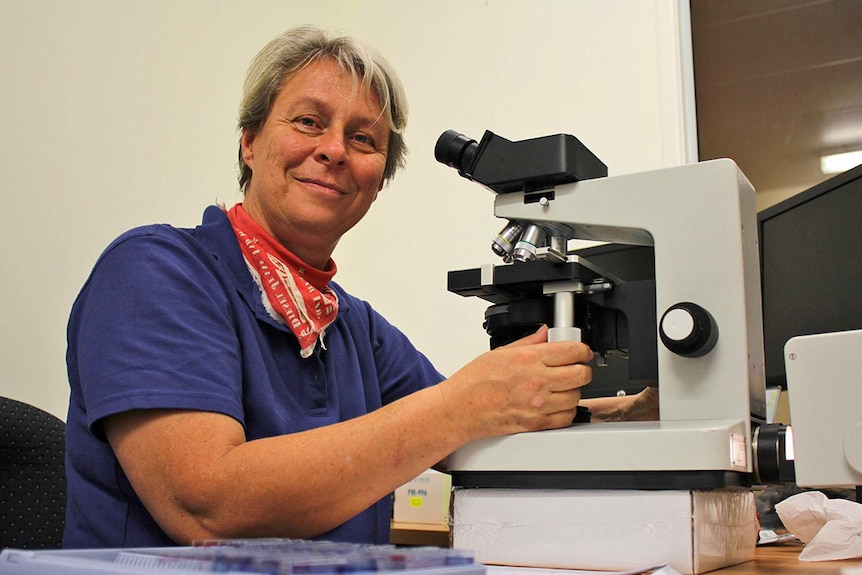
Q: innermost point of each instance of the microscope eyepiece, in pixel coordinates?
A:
(455, 150)
(530, 165)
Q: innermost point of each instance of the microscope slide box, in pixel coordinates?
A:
(692, 531)
(424, 499)
(245, 556)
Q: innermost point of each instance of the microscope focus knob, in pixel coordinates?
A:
(688, 330)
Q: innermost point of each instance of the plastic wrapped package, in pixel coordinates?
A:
(692, 531)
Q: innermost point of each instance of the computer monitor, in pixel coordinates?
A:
(811, 266)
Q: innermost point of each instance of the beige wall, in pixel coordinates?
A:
(119, 113)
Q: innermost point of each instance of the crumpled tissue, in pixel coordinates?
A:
(830, 528)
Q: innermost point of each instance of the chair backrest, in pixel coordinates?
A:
(32, 477)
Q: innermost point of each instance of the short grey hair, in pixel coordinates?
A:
(295, 49)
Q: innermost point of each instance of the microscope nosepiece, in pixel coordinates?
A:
(504, 243)
(532, 238)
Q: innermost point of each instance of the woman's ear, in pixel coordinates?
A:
(379, 188)
(246, 142)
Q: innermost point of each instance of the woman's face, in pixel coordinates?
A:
(317, 162)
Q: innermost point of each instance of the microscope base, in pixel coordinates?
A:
(707, 453)
(602, 479)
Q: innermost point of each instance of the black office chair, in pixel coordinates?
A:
(32, 477)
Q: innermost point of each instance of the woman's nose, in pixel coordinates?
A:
(331, 148)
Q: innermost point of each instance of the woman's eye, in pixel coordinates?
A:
(306, 122)
(363, 140)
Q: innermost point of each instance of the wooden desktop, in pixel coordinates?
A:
(778, 559)
(783, 559)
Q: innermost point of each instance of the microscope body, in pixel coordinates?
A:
(700, 220)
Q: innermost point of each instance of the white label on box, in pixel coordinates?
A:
(738, 450)
(425, 499)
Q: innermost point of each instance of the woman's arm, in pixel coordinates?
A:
(200, 479)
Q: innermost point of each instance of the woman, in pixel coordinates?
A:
(223, 386)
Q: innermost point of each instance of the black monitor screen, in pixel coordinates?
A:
(811, 266)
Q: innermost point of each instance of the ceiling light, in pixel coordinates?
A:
(837, 163)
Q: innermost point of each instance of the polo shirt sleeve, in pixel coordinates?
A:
(401, 368)
(152, 329)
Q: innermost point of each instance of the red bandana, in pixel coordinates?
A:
(293, 292)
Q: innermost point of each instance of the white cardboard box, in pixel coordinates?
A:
(692, 531)
(425, 499)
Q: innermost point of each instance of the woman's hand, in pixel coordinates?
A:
(529, 385)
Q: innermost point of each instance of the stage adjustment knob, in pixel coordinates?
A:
(688, 330)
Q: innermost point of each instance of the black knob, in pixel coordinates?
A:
(688, 330)
(771, 462)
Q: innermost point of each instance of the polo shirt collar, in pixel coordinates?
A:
(216, 233)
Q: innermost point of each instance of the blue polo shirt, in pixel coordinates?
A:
(171, 318)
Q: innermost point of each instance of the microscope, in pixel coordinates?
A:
(695, 330)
